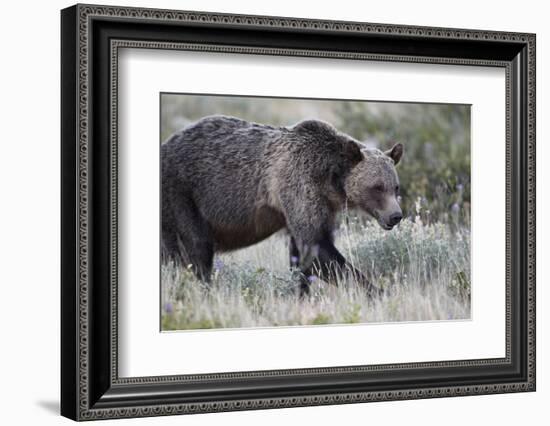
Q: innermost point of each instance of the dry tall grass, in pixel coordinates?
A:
(424, 268)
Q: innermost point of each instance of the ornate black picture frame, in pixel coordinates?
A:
(90, 38)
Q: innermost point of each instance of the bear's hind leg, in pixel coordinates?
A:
(187, 239)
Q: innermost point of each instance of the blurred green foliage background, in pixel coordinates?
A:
(434, 171)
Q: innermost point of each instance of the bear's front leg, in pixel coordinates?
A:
(323, 260)
(310, 221)
(303, 260)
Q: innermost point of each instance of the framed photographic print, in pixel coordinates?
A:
(263, 212)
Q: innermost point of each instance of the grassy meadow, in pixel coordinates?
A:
(423, 268)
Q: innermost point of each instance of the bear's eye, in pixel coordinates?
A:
(397, 189)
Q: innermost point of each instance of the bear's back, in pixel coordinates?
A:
(230, 153)
(220, 162)
(217, 149)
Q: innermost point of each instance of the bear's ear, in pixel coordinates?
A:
(395, 153)
(352, 152)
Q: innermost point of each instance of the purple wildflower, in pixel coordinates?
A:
(168, 308)
(294, 260)
(455, 208)
(312, 278)
(218, 265)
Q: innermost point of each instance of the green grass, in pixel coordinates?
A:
(424, 269)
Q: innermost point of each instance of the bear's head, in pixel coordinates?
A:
(373, 185)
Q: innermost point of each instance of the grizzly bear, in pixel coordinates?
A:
(228, 183)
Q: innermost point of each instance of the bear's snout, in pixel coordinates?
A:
(395, 219)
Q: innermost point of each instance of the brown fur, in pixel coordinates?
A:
(228, 183)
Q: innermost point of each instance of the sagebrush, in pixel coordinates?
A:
(424, 269)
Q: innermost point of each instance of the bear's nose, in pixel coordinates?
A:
(395, 219)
